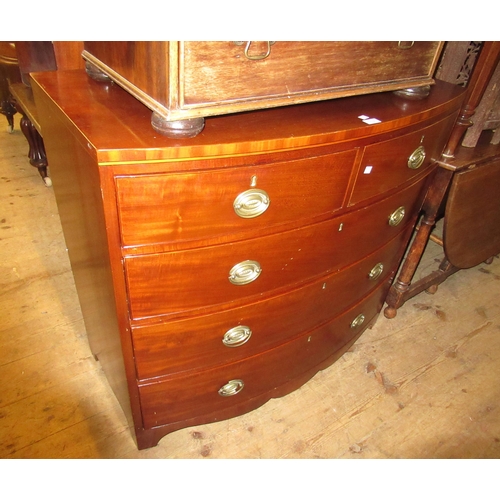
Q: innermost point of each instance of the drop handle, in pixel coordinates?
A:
(256, 56)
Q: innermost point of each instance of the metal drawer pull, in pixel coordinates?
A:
(416, 159)
(358, 321)
(232, 388)
(405, 45)
(256, 57)
(237, 336)
(397, 216)
(376, 271)
(251, 203)
(245, 272)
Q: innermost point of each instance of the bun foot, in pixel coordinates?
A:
(95, 73)
(414, 93)
(177, 128)
(390, 312)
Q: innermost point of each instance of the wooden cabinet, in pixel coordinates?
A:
(220, 271)
(183, 82)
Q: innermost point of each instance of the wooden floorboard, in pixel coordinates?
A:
(423, 385)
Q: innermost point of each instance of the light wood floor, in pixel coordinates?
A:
(423, 385)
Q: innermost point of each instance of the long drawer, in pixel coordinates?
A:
(182, 207)
(229, 336)
(215, 71)
(184, 281)
(199, 393)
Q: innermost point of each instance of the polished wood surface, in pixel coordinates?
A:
(120, 127)
(131, 285)
(164, 348)
(145, 207)
(158, 286)
(422, 386)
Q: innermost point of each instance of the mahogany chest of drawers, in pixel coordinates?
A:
(217, 272)
(184, 82)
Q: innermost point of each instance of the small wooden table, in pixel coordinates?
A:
(471, 230)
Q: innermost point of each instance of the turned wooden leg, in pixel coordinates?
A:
(400, 290)
(8, 109)
(36, 153)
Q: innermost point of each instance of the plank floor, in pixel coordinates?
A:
(423, 385)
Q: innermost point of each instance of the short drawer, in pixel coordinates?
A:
(387, 165)
(202, 392)
(229, 336)
(184, 282)
(184, 207)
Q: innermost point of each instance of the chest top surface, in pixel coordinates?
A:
(117, 127)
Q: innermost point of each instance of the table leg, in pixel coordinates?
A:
(36, 153)
(401, 289)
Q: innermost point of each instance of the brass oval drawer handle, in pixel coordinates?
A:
(237, 336)
(397, 216)
(232, 388)
(251, 203)
(376, 271)
(416, 159)
(358, 321)
(245, 272)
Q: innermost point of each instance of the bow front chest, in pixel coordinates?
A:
(217, 272)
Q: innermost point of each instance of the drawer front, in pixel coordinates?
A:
(185, 207)
(212, 72)
(185, 281)
(238, 333)
(197, 394)
(389, 164)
